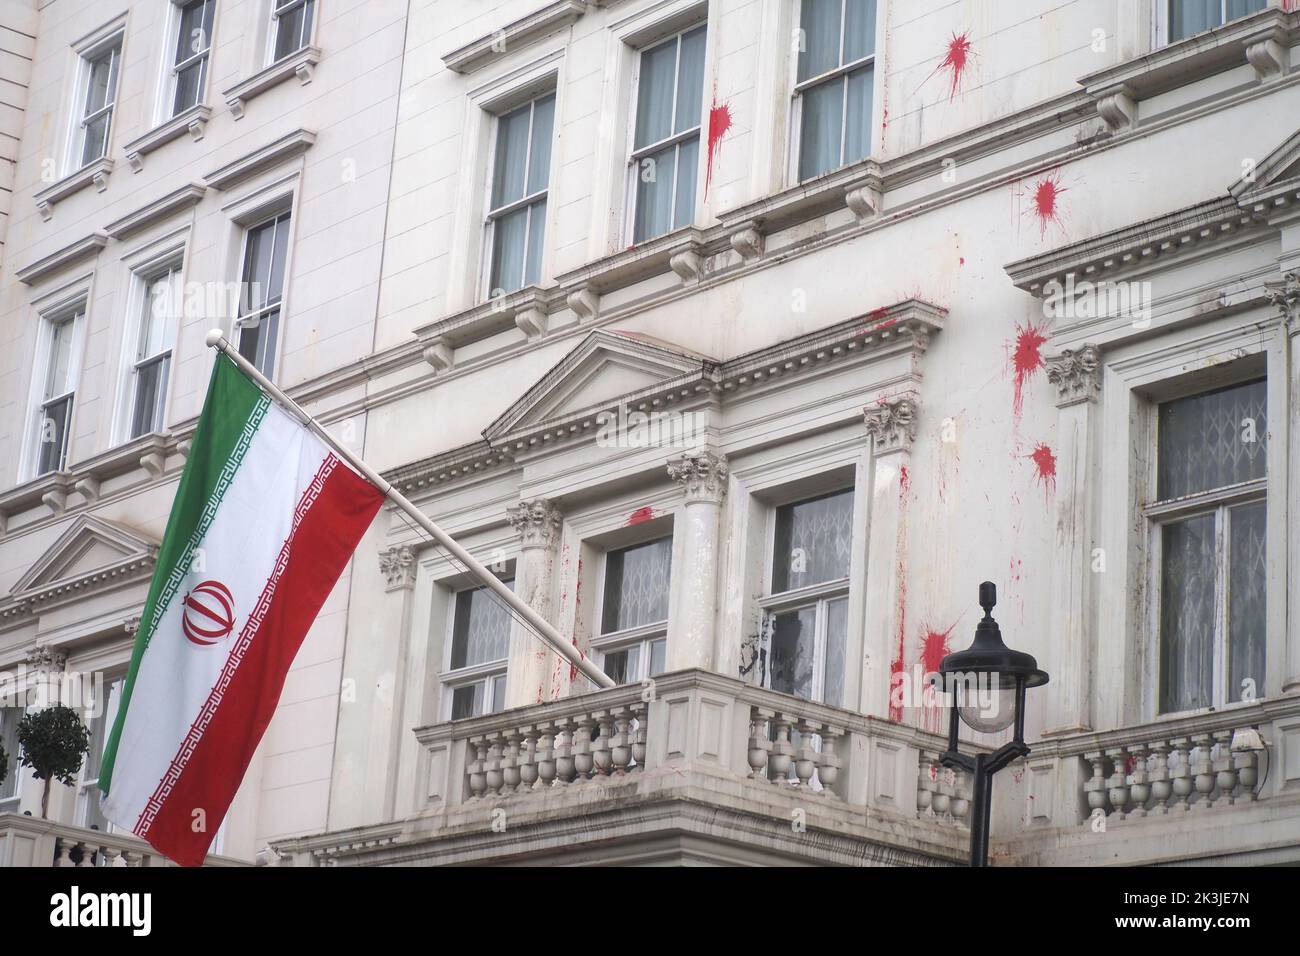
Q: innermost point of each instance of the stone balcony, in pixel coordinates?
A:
(695, 768)
(29, 841)
(1221, 787)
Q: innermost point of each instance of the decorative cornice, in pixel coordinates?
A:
(96, 172)
(537, 522)
(514, 36)
(159, 209)
(70, 254)
(398, 565)
(193, 121)
(702, 474)
(250, 164)
(1076, 373)
(891, 424)
(301, 64)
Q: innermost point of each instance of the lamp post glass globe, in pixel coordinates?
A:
(986, 702)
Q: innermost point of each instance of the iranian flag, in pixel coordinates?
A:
(265, 518)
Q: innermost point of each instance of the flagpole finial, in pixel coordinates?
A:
(214, 337)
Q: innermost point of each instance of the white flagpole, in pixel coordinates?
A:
(216, 339)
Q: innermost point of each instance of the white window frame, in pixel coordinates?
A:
(1164, 21)
(277, 9)
(285, 212)
(86, 783)
(635, 156)
(1157, 513)
(69, 313)
(490, 214)
(9, 720)
(166, 108)
(144, 265)
(487, 673)
(113, 40)
(640, 637)
(839, 73)
(818, 596)
(163, 356)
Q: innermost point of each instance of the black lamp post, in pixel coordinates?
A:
(988, 681)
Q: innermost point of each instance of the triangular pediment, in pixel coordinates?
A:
(89, 546)
(1276, 169)
(604, 368)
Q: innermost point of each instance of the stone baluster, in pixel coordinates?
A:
(828, 763)
(582, 744)
(492, 766)
(566, 763)
(805, 763)
(602, 754)
(545, 755)
(113, 857)
(779, 759)
(1225, 771)
(759, 743)
(620, 754)
(1246, 762)
(528, 758)
(640, 715)
(88, 851)
(1095, 787)
(478, 768)
(1203, 768)
(946, 785)
(1160, 786)
(1139, 779)
(927, 782)
(1117, 783)
(63, 853)
(1180, 772)
(960, 805)
(134, 858)
(510, 778)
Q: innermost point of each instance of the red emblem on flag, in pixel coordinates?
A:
(209, 613)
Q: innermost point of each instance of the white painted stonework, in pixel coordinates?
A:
(885, 329)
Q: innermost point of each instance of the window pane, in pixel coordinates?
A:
(53, 438)
(536, 236)
(813, 541)
(481, 632)
(621, 665)
(1187, 614)
(99, 724)
(837, 631)
(257, 340)
(658, 657)
(279, 254)
(194, 34)
(539, 160)
(636, 585)
(859, 29)
(509, 234)
(654, 101)
(9, 717)
(820, 50)
(1247, 577)
(654, 195)
(498, 694)
(511, 157)
(188, 83)
(96, 139)
(819, 128)
(150, 387)
(793, 648)
(1192, 16)
(102, 82)
(466, 701)
(1211, 440)
(293, 29)
(690, 80)
(688, 159)
(1240, 8)
(161, 304)
(58, 380)
(857, 135)
(259, 251)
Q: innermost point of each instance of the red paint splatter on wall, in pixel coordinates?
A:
(641, 515)
(1026, 359)
(956, 60)
(1044, 466)
(719, 125)
(896, 675)
(934, 648)
(1045, 201)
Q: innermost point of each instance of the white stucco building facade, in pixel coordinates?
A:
(745, 338)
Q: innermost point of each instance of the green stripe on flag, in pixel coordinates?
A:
(232, 411)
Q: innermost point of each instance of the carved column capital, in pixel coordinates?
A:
(1285, 295)
(1076, 373)
(702, 474)
(891, 424)
(398, 565)
(537, 522)
(46, 660)
(132, 624)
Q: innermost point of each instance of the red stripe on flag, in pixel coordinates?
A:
(212, 762)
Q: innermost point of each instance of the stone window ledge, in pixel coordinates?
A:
(96, 172)
(301, 64)
(193, 121)
(515, 36)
